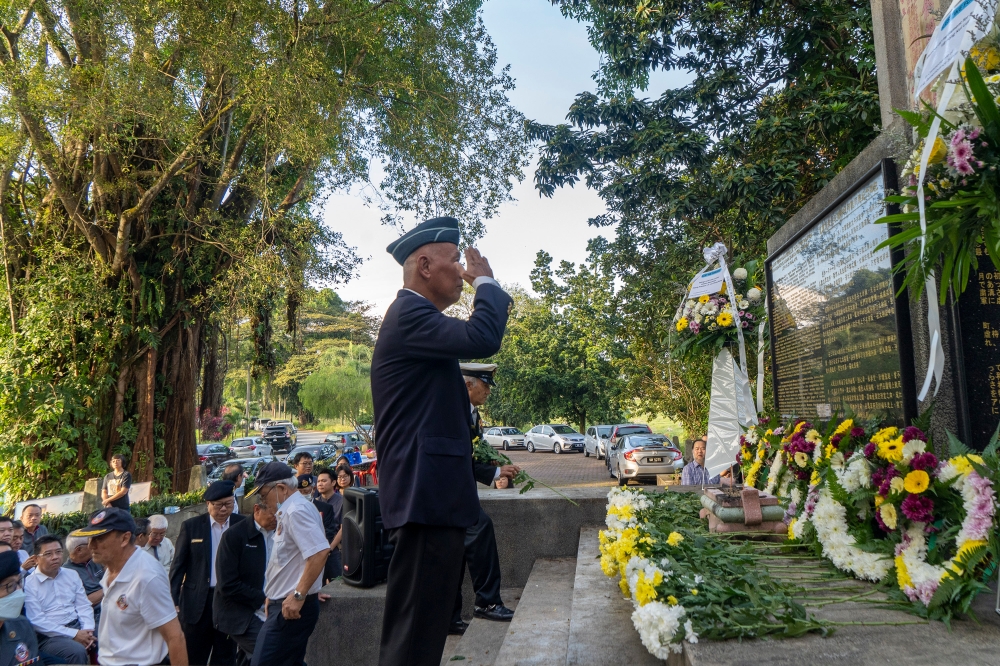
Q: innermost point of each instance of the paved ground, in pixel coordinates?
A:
(564, 469)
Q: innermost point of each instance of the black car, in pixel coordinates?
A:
(279, 437)
(317, 451)
(250, 465)
(210, 455)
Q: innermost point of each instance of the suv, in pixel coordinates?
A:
(279, 437)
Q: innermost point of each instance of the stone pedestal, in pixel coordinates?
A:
(92, 495)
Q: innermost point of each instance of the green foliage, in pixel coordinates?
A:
(65, 523)
(341, 386)
(781, 97)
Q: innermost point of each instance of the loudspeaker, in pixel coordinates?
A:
(365, 544)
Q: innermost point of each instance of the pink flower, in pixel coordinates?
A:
(914, 433)
(918, 508)
(961, 151)
(694, 326)
(957, 137)
(964, 169)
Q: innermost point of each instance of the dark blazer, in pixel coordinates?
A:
(422, 407)
(239, 572)
(191, 572)
(484, 472)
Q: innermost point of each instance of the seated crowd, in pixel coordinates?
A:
(118, 591)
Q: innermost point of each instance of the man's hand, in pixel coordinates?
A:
(30, 563)
(726, 472)
(509, 471)
(290, 607)
(323, 597)
(106, 503)
(475, 265)
(84, 638)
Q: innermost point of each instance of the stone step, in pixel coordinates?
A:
(480, 645)
(539, 632)
(600, 627)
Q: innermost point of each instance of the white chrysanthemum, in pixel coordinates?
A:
(689, 635)
(774, 473)
(830, 521)
(754, 294)
(751, 435)
(658, 624)
(912, 448)
(855, 475)
(740, 273)
(949, 472)
(709, 309)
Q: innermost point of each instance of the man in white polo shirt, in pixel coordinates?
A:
(138, 621)
(294, 571)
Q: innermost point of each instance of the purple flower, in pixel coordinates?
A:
(857, 431)
(835, 441)
(869, 449)
(924, 461)
(918, 508)
(974, 134)
(914, 433)
(886, 484)
(957, 137)
(694, 326)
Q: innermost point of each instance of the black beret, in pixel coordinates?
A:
(435, 230)
(107, 520)
(219, 490)
(9, 564)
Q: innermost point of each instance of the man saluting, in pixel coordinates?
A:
(427, 491)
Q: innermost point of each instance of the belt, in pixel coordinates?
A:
(278, 601)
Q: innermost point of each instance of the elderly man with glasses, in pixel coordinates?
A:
(157, 543)
(193, 576)
(18, 645)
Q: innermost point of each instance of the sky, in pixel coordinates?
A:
(551, 61)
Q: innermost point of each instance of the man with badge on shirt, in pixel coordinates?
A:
(18, 645)
(193, 576)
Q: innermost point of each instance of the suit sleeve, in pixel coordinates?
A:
(179, 566)
(430, 334)
(484, 473)
(227, 571)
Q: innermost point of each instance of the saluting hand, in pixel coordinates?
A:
(476, 265)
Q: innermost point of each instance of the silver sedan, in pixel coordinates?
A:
(642, 457)
(504, 438)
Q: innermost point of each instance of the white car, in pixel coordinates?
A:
(553, 437)
(504, 438)
(249, 447)
(596, 441)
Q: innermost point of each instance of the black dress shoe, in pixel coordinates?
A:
(457, 628)
(496, 612)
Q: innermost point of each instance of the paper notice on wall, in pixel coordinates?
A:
(707, 282)
(964, 24)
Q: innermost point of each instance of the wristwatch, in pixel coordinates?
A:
(298, 595)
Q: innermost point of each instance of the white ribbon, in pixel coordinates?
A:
(760, 363)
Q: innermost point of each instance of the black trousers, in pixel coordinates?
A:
(283, 642)
(420, 592)
(204, 641)
(484, 565)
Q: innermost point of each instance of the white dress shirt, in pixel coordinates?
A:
(268, 546)
(164, 553)
(217, 530)
(53, 602)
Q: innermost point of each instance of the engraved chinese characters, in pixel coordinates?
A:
(833, 313)
(979, 312)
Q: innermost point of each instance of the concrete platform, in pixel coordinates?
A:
(480, 645)
(600, 628)
(539, 633)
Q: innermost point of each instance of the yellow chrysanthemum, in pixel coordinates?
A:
(791, 528)
(623, 586)
(938, 152)
(703, 298)
(846, 425)
(768, 433)
(801, 459)
(724, 319)
(916, 481)
(746, 456)
(672, 600)
(902, 575)
(751, 478)
(814, 479)
(694, 592)
(885, 434)
(828, 451)
(682, 323)
(967, 548)
(888, 513)
(645, 588)
(962, 464)
(878, 501)
(987, 58)
(891, 449)
(674, 539)
(760, 453)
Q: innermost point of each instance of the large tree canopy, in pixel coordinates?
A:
(781, 96)
(161, 160)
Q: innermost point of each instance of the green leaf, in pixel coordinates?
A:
(956, 447)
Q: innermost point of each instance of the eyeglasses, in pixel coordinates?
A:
(224, 504)
(11, 587)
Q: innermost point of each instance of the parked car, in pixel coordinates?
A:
(628, 429)
(262, 424)
(278, 437)
(596, 441)
(342, 439)
(505, 438)
(317, 451)
(291, 426)
(250, 447)
(642, 457)
(250, 465)
(553, 437)
(210, 455)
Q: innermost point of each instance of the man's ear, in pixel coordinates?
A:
(424, 266)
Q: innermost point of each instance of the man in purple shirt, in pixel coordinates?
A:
(694, 473)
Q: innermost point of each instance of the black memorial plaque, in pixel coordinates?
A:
(979, 317)
(835, 320)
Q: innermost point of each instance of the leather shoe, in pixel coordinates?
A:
(496, 612)
(457, 628)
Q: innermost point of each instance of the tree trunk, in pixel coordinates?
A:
(144, 451)
(118, 410)
(180, 367)
(212, 374)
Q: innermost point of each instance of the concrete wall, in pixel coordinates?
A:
(538, 524)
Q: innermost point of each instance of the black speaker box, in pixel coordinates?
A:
(365, 544)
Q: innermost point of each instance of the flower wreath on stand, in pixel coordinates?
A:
(759, 446)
